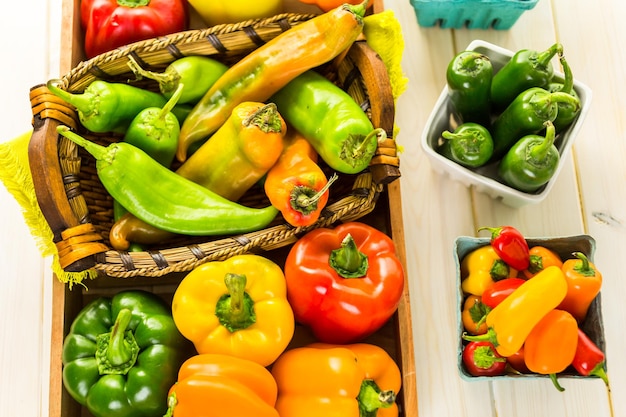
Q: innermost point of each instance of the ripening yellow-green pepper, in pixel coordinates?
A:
(216, 12)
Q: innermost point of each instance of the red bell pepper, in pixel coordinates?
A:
(589, 359)
(344, 283)
(510, 245)
(109, 24)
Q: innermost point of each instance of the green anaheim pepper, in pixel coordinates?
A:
(122, 355)
(330, 119)
(469, 145)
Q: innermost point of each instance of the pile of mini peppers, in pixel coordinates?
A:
(524, 310)
(227, 345)
(268, 123)
(509, 118)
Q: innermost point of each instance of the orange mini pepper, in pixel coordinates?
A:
(327, 5)
(551, 345)
(296, 184)
(353, 380)
(481, 268)
(222, 385)
(540, 258)
(474, 314)
(583, 285)
(511, 321)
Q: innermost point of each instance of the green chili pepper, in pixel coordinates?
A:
(197, 73)
(469, 77)
(526, 68)
(155, 130)
(122, 355)
(567, 112)
(108, 107)
(170, 202)
(334, 124)
(526, 115)
(531, 162)
(470, 145)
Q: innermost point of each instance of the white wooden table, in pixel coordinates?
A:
(589, 197)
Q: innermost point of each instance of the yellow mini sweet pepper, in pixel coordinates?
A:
(236, 307)
(481, 268)
(217, 12)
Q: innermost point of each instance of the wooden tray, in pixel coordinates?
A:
(396, 337)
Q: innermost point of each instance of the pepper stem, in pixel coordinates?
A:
(101, 153)
(584, 268)
(566, 98)
(357, 9)
(165, 79)
(265, 118)
(371, 398)
(82, 102)
(490, 336)
(568, 81)
(543, 58)
(555, 381)
(348, 261)
(117, 351)
(235, 310)
(599, 371)
(167, 109)
(302, 202)
(540, 151)
(172, 401)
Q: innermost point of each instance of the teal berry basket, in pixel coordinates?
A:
(472, 14)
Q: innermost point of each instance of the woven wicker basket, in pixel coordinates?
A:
(78, 208)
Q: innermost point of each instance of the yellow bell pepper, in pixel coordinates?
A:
(510, 322)
(481, 268)
(217, 12)
(236, 307)
(337, 380)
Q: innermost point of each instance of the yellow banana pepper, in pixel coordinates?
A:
(236, 307)
(481, 268)
(510, 322)
(217, 12)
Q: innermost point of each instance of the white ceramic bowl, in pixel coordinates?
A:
(485, 179)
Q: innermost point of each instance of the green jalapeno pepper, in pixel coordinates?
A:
(469, 145)
(526, 115)
(469, 77)
(334, 124)
(171, 202)
(531, 162)
(567, 112)
(526, 68)
(197, 73)
(108, 107)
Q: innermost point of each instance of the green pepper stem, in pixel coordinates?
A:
(357, 9)
(543, 58)
(540, 151)
(163, 78)
(371, 398)
(563, 97)
(172, 402)
(118, 352)
(568, 81)
(99, 152)
(82, 102)
(347, 260)
(303, 201)
(167, 109)
(584, 268)
(599, 371)
(490, 336)
(555, 381)
(265, 118)
(235, 310)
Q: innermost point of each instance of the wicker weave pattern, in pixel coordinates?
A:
(81, 216)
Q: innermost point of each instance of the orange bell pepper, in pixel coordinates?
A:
(551, 345)
(237, 307)
(296, 184)
(512, 320)
(337, 380)
(583, 285)
(222, 385)
(540, 258)
(481, 268)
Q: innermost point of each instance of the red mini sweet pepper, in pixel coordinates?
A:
(109, 24)
(510, 244)
(344, 283)
(589, 359)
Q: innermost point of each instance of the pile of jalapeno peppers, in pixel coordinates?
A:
(510, 117)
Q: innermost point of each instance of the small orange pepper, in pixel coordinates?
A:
(474, 314)
(327, 5)
(541, 258)
(296, 184)
(583, 285)
(222, 385)
(551, 345)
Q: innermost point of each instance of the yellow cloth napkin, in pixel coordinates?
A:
(16, 177)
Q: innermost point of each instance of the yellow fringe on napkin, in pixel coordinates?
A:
(16, 177)
(384, 35)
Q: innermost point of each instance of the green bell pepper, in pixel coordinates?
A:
(122, 355)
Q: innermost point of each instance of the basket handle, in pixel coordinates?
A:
(385, 163)
(75, 238)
